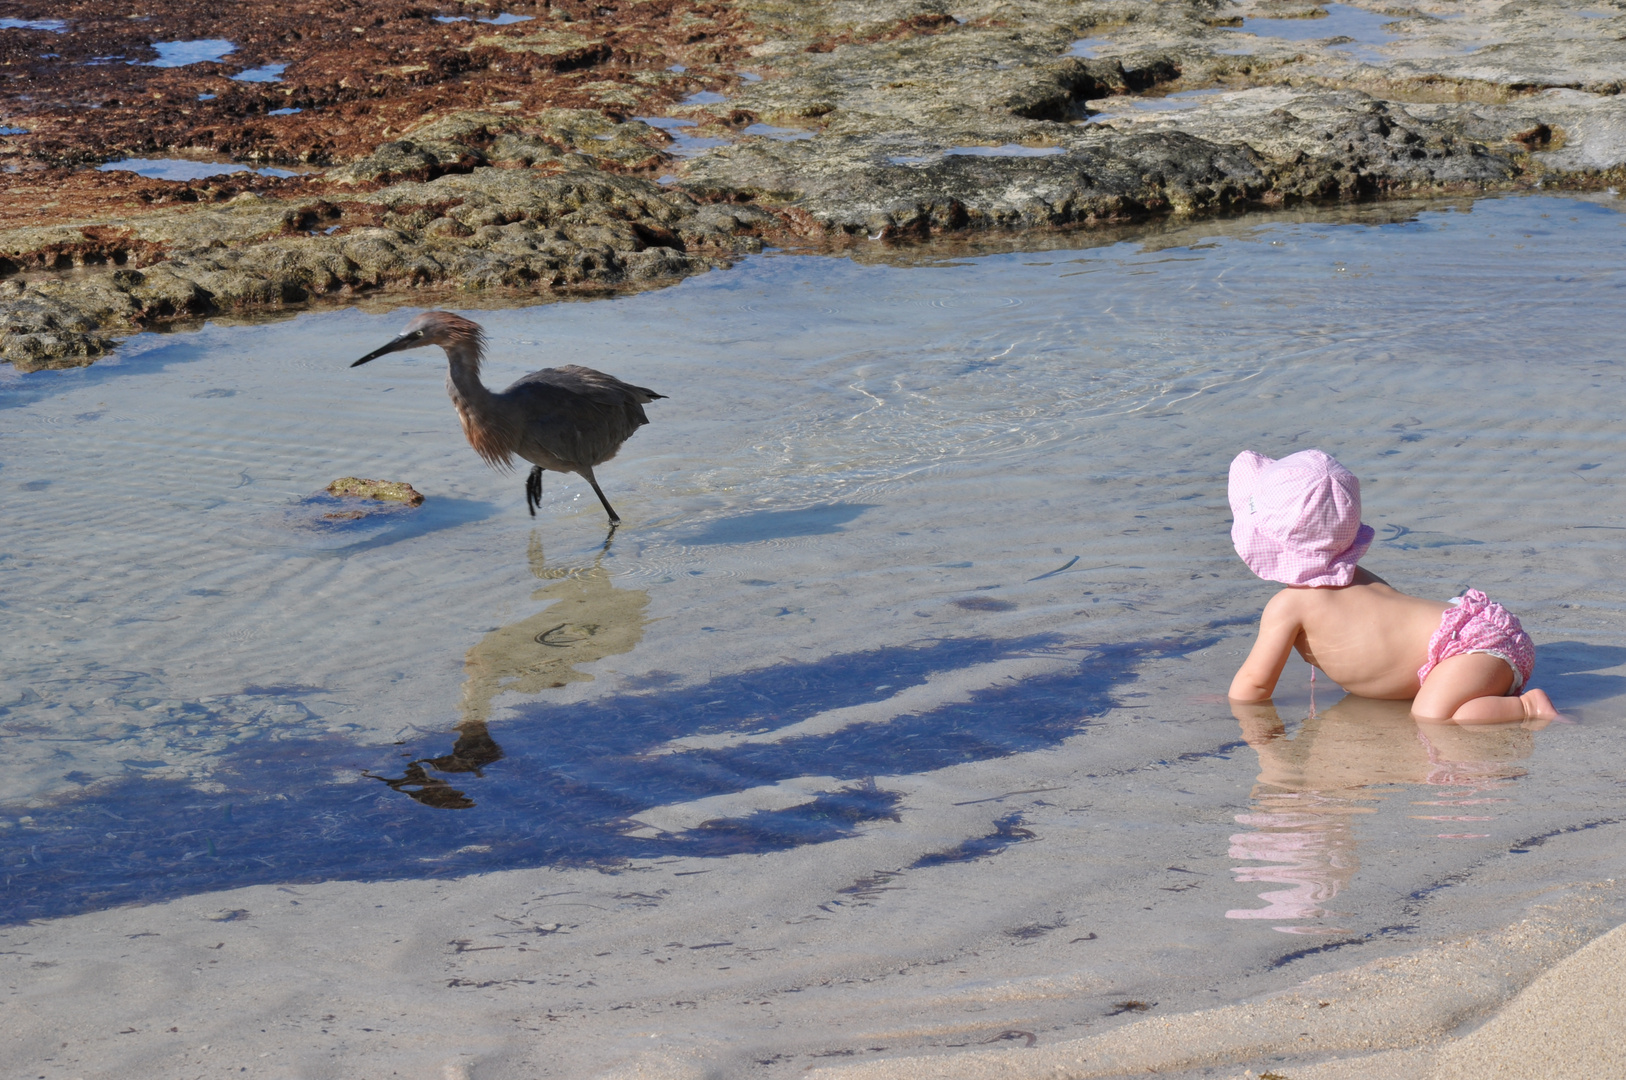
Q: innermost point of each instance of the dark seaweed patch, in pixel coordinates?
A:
(1330, 946)
(1523, 846)
(1008, 830)
(983, 603)
(1416, 899)
(1222, 752)
(1299, 954)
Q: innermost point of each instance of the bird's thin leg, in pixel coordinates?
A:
(533, 489)
(615, 518)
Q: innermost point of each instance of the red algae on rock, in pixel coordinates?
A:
(352, 75)
(380, 101)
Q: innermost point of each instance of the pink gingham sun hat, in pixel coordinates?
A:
(1298, 520)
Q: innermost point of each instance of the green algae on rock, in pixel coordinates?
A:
(381, 490)
(564, 225)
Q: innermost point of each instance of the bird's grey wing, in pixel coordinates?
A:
(570, 418)
(592, 383)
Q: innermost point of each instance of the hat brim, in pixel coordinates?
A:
(1244, 479)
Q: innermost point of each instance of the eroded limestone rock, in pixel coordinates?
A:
(381, 490)
(988, 123)
(868, 120)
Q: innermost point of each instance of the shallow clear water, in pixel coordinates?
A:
(933, 554)
(1007, 150)
(1366, 28)
(683, 145)
(1089, 48)
(1114, 107)
(779, 133)
(54, 26)
(182, 53)
(266, 73)
(185, 169)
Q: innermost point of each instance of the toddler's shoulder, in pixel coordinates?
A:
(1306, 605)
(1288, 604)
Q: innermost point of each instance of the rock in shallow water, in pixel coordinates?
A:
(385, 490)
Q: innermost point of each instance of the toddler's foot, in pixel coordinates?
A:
(1537, 705)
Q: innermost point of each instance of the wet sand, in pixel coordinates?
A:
(433, 980)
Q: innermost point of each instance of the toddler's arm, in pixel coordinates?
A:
(1278, 629)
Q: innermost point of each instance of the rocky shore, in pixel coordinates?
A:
(469, 154)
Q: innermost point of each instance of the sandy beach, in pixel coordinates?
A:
(1408, 1018)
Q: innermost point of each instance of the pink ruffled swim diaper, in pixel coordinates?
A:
(1476, 624)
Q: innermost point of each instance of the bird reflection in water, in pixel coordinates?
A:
(473, 751)
(587, 618)
(1342, 762)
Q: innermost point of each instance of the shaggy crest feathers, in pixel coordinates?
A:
(460, 330)
(453, 332)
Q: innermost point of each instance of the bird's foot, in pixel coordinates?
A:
(533, 489)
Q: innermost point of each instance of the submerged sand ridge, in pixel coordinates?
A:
(522, 169)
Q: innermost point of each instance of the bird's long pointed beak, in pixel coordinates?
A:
(402, 342)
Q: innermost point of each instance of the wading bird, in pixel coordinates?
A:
(567, 419)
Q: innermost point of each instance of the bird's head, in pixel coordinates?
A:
(432, 328)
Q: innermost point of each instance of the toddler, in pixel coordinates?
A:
(1298, 521)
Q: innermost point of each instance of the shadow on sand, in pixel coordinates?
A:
(567, 782)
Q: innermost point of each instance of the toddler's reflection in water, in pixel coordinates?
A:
(1311, 786)
(588, 619)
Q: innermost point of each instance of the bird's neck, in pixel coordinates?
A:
(463, 378)
(487, 424)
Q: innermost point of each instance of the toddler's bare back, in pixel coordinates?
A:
(1369, 638)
